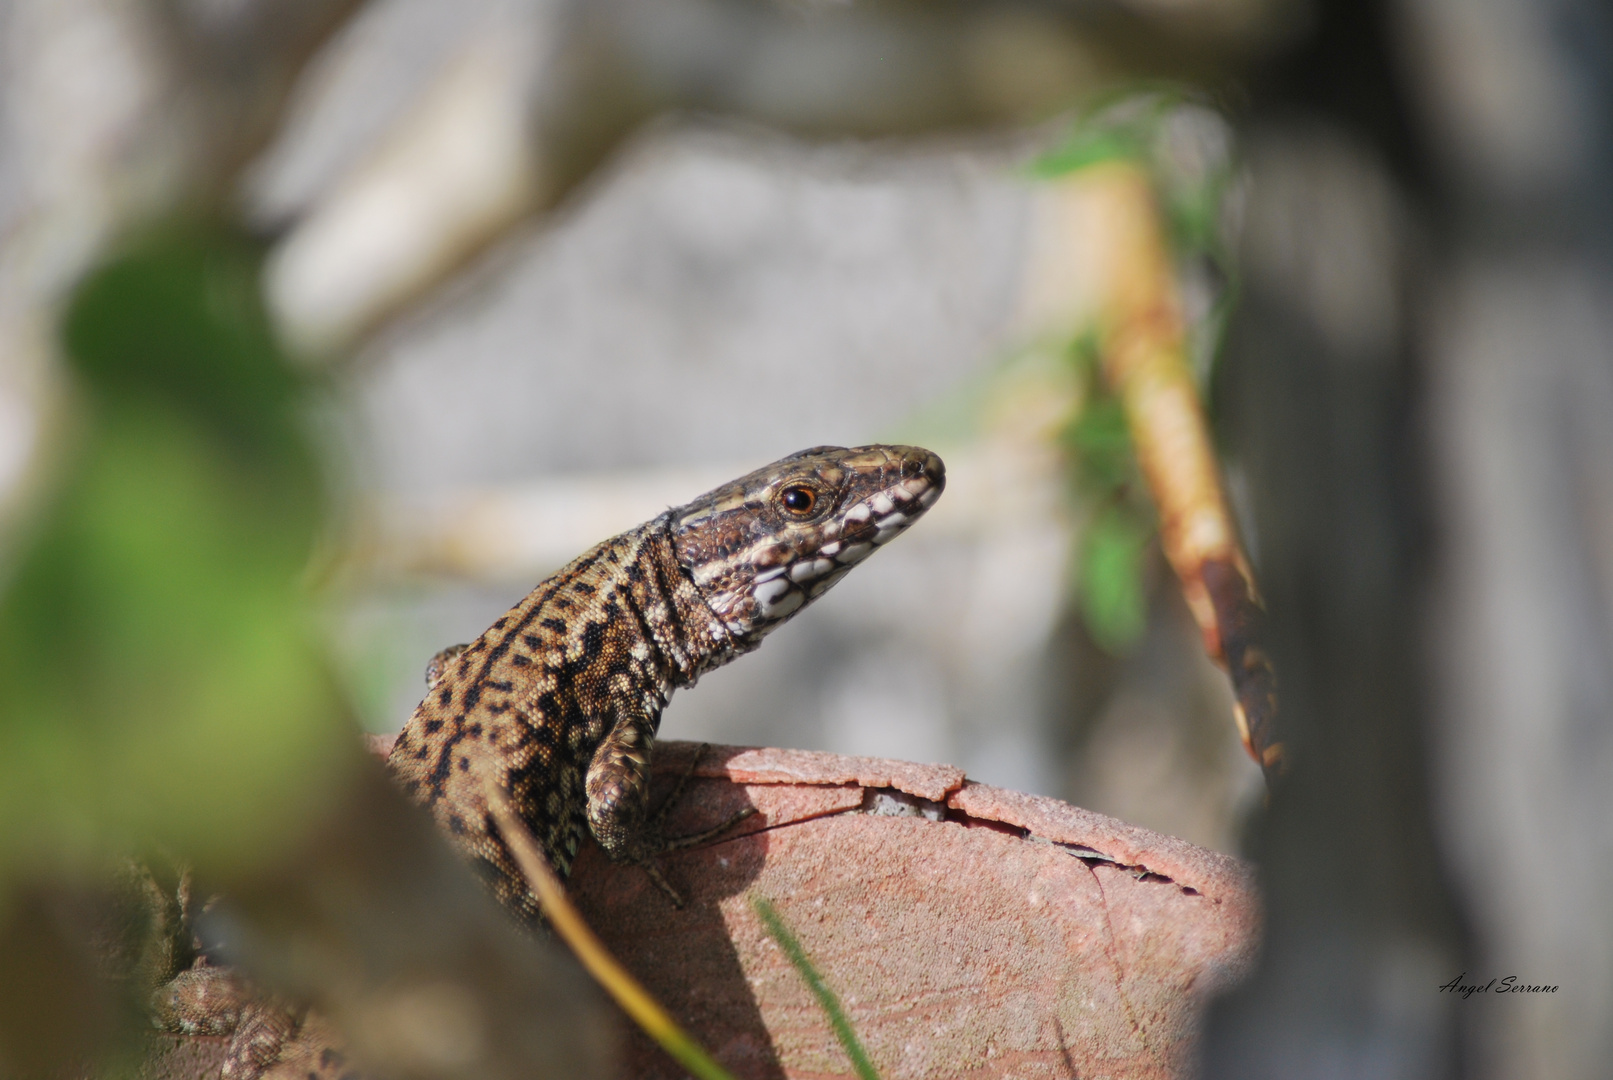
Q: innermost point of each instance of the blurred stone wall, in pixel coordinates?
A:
(716, 298)
(720, 296)
(717, 302)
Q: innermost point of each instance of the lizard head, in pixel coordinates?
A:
(766, 545)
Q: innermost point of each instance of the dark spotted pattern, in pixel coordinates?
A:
(559, 701)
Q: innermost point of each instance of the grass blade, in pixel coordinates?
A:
(827, 1001)
(628, 992)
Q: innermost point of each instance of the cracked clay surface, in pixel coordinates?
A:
(969, 931)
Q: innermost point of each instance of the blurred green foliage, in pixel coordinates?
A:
(1181, 144)
(161, 684)
(1110, 557)
(1184, 145)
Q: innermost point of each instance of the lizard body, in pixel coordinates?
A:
(558, 703)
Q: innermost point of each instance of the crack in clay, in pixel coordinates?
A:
(1138, 871)
(894, 802)
(818, 816)
(1112, 950)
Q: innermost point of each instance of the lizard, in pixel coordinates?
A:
(557, 705)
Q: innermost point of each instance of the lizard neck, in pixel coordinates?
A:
(690, 637)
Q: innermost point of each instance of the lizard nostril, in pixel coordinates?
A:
(924, 463)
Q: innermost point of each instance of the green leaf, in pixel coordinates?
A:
(1087, 148)
(1101, 441)
(161, 681)
(1114, 600)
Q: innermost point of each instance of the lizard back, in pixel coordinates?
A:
(558, 702)
(527, 704)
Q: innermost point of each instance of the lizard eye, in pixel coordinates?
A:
(799, 499)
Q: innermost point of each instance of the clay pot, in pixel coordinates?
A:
(967, 931)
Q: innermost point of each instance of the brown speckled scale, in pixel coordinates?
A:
(557, 704)
(559, 701)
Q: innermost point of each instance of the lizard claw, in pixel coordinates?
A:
(677, 789)
(663, 846)
(437, 666)
(649, 867)
(660, 844)
(693, 839)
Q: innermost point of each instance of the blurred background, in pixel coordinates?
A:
(540, 270)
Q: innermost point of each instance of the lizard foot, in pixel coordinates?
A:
(646, 860)
(437, 666)
(660, 844)
(269, 1039)
(276, 1042)
(202, 1000)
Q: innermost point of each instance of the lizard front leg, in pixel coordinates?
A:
(618, 787)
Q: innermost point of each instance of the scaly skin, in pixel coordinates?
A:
(558, 703)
